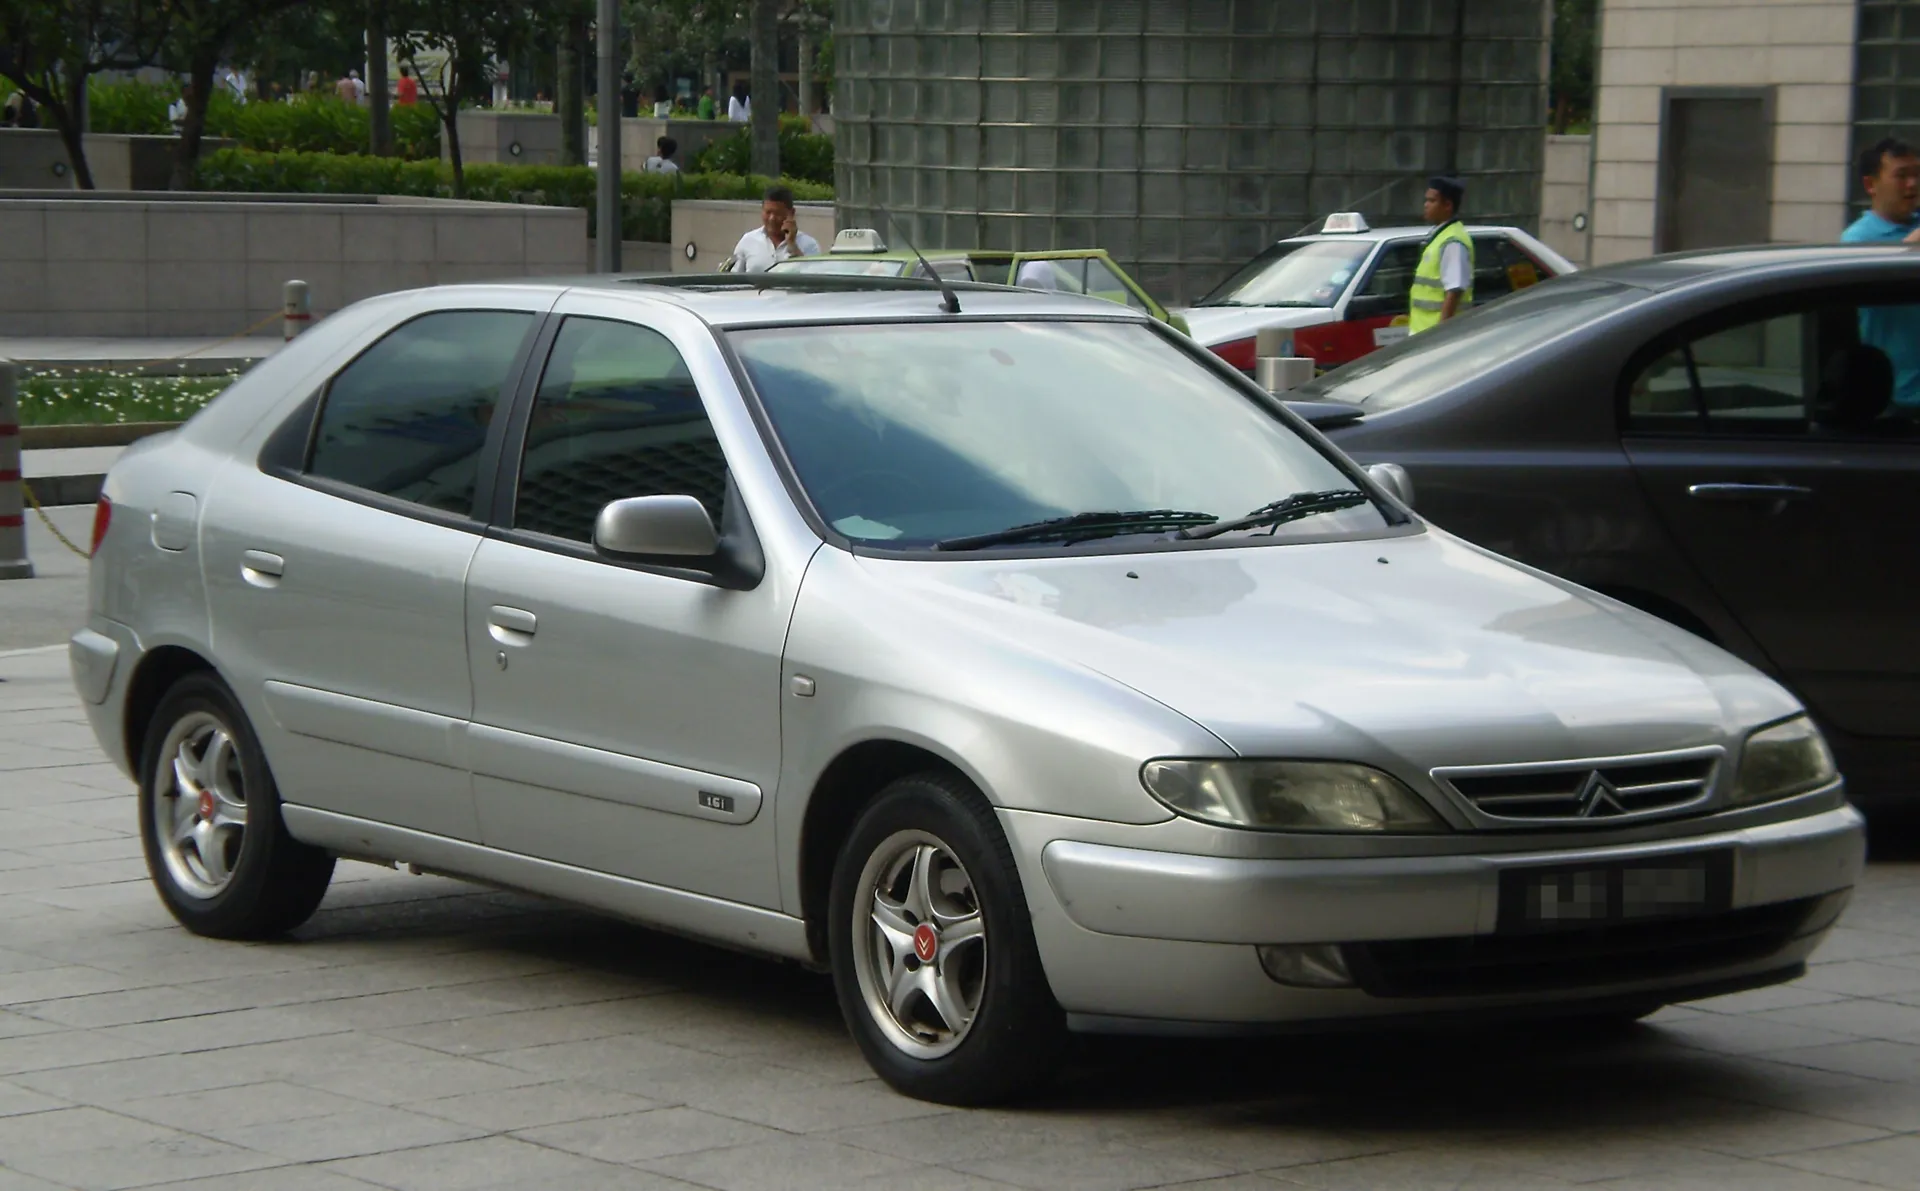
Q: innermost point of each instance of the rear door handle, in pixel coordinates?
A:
(261, 568)
(1748, 491)
(511, 626)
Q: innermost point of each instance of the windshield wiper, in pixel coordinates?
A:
(1080, 527)
(1279, 512)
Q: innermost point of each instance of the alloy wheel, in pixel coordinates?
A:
(200, 804)
(920, 944)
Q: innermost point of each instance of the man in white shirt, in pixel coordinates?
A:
(662, 161)
(1443, 281)
(778, 238)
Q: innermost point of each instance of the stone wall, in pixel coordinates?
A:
(200, 264)
(35, 159)
(513, 138)
(1564, 197)
(1803, 49)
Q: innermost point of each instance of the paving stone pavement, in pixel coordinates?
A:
(424, 1035)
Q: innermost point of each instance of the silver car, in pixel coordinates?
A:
(1022, 665)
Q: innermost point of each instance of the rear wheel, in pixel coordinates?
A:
(210, 824)
(932, 948)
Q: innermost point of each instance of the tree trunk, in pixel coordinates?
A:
(186, 153)
(806, 74)
(572, 91)
(450, 122)
(379, 111)
(765, 91)
(66, 112)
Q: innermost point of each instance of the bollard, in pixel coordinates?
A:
(1275, 368)
(298, 312)
(14, 563)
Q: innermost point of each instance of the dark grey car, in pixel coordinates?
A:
(1704, 436)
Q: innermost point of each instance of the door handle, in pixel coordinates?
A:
(1773, 492)
(261, 569)
(511, 626)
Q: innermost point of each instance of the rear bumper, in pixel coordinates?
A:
(1134, 933)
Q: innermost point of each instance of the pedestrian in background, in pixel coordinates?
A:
(708, 109)
(740, 105)
(778, 238)
(1443, 282)
(406, 92)
(662, 102)
(20, 112)
(662, 161)
(1890, 173)
(177, 110)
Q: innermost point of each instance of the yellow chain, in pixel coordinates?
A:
(48, 521)
(240, 334)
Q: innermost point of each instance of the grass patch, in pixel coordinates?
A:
(66, 397)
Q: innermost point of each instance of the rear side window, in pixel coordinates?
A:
(617, 415)
(408, 417)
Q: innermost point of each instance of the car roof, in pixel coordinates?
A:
(1402, 232)
(734, 300)
(1681, 268)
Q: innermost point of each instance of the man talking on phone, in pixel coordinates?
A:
(778, 238)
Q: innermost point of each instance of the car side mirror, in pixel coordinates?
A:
(656, 527)
(1394, 479)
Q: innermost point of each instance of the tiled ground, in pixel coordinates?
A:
(421, 1034)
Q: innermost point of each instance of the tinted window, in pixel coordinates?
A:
(616, 415)
(1393, 270)
(408, 417)
(1481, 341)
(904, 434)
(1835, 366)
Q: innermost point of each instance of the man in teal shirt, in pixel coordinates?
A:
(1890, 171)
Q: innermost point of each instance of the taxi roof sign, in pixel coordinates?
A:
(1344, 221)
(858, 239)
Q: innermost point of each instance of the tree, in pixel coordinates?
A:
(200, 35)
(1572, 76)
(50, 50)
(765, 34)
(379, 109)
(451, 46)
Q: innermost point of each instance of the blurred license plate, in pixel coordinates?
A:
(1587, 895)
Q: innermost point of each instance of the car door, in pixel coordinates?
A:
(626, 718)
(336, 571)
(1375, 313)
(1791, 497)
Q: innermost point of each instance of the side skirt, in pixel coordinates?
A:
(731, 924)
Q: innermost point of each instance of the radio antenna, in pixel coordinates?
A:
(949, 301)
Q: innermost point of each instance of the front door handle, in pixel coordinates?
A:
(262, 569)
(511, 626)
(1772, 492)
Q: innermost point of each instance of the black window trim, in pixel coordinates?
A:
(279, 458)
(736, 522)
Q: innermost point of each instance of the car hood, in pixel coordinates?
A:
(1412, 651)
(1224, 324)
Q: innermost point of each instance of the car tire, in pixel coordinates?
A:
(1610, 1021)
(927, 875)
(217, 849)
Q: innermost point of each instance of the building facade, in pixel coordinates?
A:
(1183, 136)
(1734, 123)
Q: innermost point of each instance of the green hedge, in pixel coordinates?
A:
(647, 206)
(317, 123)
(804, 154)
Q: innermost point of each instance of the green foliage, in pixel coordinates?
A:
(65, 396)
(804, 153)
(647, 199)
(1571, 83)
(320, 123)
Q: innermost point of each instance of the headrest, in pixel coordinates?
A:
(1856, 386)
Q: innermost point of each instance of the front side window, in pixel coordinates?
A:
(1392, 274)
(408, 417)
(616, 415)
(906, 435)
(1294, 273)
(1833, 366)
(1103, 282)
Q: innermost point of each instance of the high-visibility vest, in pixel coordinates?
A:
(1428, 296)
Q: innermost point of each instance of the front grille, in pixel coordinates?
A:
(1483, 965)
(1606, 791)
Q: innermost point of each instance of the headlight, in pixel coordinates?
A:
(1778, 762)
(1289, 795)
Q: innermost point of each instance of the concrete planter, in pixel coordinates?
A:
(34, 158)
(638, 136)
(507, 137)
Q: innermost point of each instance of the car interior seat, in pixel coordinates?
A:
(1856, 387)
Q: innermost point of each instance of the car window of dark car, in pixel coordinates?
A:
(408, 417)
(616, 415)
(1484, 340)
(1833, 366)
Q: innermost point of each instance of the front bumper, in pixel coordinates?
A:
(1136, 934)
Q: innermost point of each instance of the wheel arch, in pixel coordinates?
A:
(848, 783)
(155, 674)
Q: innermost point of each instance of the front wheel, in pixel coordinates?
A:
(218, 852)
(933, 952)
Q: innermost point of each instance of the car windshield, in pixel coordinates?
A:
(908, 435)
(1293, 273)
(842, 266)
(1424, 365)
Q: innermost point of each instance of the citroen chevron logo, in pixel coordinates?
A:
(1598, 798)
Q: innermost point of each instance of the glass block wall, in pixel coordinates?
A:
(1886, 99)
(1182, 136)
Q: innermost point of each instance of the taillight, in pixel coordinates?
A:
(102, 517)
(1239, 353)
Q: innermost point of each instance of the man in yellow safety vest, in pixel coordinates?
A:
(1443, 284)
